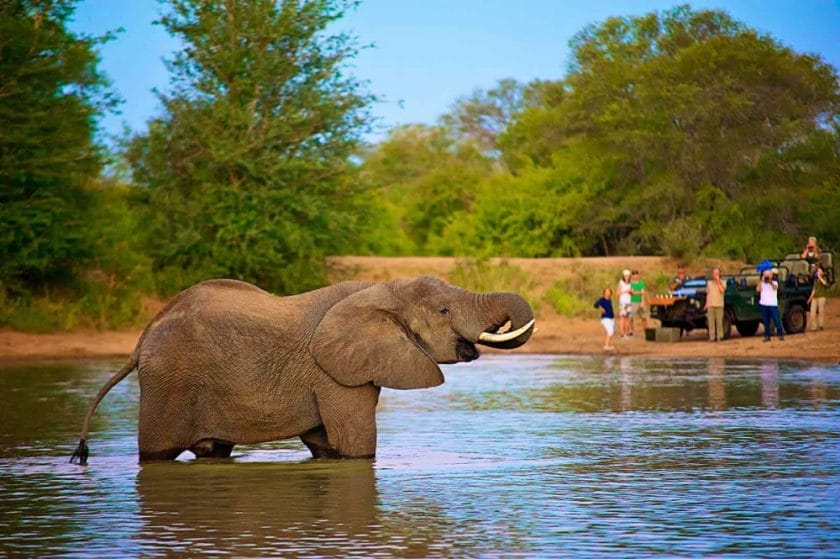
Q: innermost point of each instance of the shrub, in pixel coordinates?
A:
(575, 294)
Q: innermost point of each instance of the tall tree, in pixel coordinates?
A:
(425, 177)
(485, 114)
(699, 121)
(51, 94)
(248, 169)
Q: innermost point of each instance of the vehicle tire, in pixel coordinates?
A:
(795, 319)
(727, 326)
(747, 328)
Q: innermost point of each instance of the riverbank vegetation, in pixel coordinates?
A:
(680, 133)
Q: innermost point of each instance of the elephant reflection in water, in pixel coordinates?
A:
(322, 508)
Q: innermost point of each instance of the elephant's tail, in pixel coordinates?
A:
(80, 455)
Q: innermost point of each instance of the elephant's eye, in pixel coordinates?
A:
(444, 310)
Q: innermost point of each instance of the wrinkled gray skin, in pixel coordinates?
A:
(227, 363)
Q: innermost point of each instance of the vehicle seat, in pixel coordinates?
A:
(750, 281)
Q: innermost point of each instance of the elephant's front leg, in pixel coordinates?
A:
(349, 423)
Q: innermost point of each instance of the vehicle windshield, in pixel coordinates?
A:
(695, 282)
(690, 286)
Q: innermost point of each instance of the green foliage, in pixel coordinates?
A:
(248, 172)
(426, 178)
(566, 303)
(514, 216)
(680, 133)
(575, 294)
(483, 116)
(68, 253)
(107, 291)
(98, 302)
(707, 138)
(51, 94)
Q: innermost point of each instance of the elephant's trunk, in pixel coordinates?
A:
(495, 310)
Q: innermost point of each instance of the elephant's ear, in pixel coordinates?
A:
(362, 339)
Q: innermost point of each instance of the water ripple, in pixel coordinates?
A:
(513, 456)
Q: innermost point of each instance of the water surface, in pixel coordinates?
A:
(513, 456)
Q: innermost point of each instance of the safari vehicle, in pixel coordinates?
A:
(684, 308)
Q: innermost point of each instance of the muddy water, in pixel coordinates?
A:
(513, 456)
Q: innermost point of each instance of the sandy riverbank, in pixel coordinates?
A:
(556, 334)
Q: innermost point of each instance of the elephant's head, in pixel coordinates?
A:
(394, 334)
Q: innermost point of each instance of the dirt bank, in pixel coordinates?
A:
(556, 334)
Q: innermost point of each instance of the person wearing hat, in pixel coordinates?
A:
(678, 280)
(625, 305)
(811, 253)
(768, 303)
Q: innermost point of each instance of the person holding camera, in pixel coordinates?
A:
(817, 299)
(715, 288)
(768, 303)
(811, 252)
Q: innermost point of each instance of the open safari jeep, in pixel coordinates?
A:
(684, 308)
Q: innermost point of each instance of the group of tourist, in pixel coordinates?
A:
(631, 300)
(768, 289)
(631, 304)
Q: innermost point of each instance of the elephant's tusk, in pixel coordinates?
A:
(507, 336)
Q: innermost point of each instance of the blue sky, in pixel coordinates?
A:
(427, 53)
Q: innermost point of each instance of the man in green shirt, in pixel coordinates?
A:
(637, 298)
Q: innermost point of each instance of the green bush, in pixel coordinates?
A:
(566, 303)
(99, 303)
(575, 294)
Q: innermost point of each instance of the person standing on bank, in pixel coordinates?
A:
(817, 299)
(715, 289)
(678, 280)
(625, 305)
(607, 317)
(768, 303)
(637, 300)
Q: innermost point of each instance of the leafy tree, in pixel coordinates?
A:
(51, 94)
(483, 116)
(426, 177)
(538, 130)
(248, 171)
(698, 121)
(537, 212)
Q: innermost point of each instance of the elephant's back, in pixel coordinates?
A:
(224, 321)
(212, 360)
(211, 320)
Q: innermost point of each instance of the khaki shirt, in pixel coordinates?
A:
(714, 295)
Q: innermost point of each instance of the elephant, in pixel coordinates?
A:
(226, 363)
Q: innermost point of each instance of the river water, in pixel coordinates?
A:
(534, 456)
